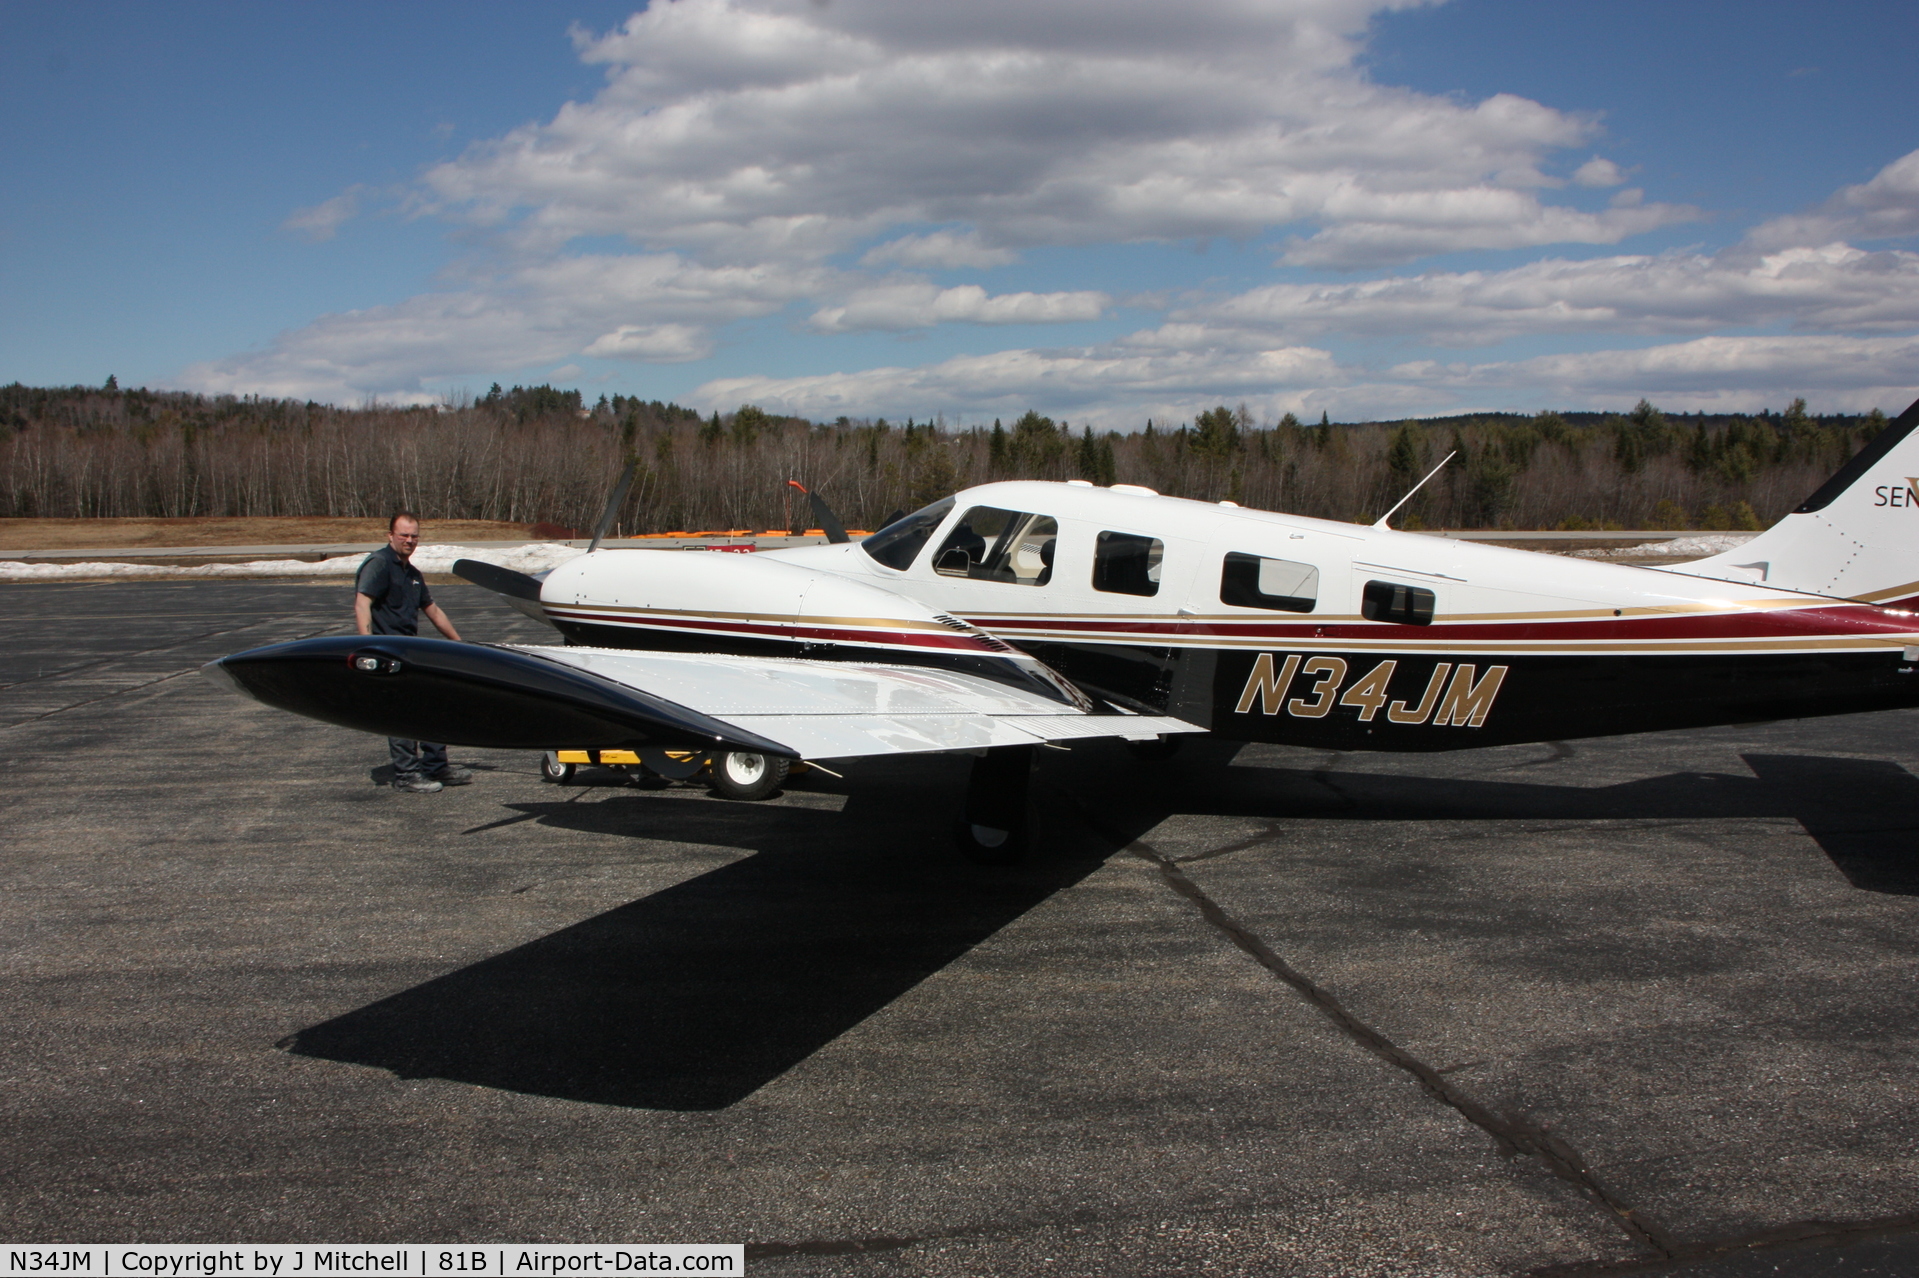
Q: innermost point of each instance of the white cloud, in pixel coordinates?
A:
(1845, 372)
(794, 128)
(940, 249)
(652, 343)
(1115, 385)
(1402, 228)
(1598, 172)
(322, 221)
(1169, 374)
(1093, 380)
(652, 307)
(1835, 287)
(909, 303)
(1884, 208)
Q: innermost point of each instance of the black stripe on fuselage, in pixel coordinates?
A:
(1532, 697)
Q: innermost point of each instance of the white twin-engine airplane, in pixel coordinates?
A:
(1020, 613)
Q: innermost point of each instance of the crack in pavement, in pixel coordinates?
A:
(1323, 775)
(1561, 752)
(1270, 833)
(1513, 1134)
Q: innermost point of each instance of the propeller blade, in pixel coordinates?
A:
(829, 522)
(521, 592)
(501, 581)
(613, 505)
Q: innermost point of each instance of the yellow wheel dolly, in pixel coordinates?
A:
(731, 774)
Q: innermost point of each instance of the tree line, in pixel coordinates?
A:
(543, 455)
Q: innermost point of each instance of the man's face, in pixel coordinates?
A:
(405, 537)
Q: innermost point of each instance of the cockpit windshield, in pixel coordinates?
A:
(899, 542)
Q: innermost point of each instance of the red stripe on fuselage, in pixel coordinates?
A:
(1848, 621)
(777, 630)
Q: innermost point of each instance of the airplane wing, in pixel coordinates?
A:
(525, 697)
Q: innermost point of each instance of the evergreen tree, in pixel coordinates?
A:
(1215, 432)
(1088, 456)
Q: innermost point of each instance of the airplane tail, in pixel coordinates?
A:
(1855, 538)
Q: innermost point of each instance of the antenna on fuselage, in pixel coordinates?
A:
(1415, 488)
(613, 505)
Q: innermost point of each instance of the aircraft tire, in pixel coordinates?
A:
(744, 774)
(551, 769)
(985, 845)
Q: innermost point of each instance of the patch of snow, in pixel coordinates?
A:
(535, 557)
(1679, 548)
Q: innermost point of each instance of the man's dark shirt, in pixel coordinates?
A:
(398, 592)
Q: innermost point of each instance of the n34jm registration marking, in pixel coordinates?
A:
(1461, 701)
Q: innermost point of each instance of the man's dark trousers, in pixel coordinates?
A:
(416, 758)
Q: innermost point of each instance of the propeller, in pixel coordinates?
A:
(829, 522)
(613, 505)
(521, 592)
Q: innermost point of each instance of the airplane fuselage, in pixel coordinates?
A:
(1266, 627)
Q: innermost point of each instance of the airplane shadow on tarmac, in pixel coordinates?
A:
(1863, 813)
(696, 996)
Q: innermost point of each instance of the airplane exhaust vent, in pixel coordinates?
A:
(954, 623)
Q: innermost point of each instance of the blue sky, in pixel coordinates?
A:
(1107, 211)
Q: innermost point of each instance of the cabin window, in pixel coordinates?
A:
(990, 544)
(896, 544)
(1390, 601)
(1127, 563)
(1252, 581)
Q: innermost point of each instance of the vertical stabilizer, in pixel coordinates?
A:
(1855, 538)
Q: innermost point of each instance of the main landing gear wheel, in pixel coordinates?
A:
(551, 769)
(992, 827)
(746, 774)
(988, 844)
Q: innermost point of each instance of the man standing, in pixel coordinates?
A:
(391, 595)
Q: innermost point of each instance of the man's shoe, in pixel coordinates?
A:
(408, 784)
(454, 774)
